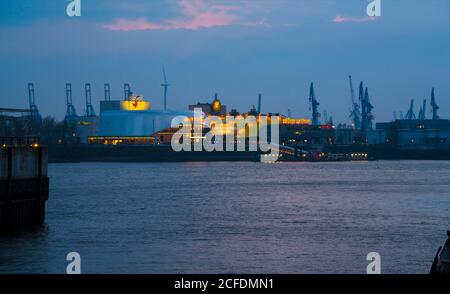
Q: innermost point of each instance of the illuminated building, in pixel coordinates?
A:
(134, 103)
(306, 135)
(132, 122)
(214, 108)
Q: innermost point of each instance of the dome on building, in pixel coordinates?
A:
(136, 123)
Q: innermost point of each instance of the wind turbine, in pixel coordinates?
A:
(165, 86)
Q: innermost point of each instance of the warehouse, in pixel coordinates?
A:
(131, 122)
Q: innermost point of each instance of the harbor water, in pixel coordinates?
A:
(225, 217)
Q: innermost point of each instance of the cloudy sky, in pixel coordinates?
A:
(236, 48)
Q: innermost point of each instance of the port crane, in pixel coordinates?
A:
(127, 91)
(330, 121)
(107, 89)
(361, 100)
(355, 113)
(71, 114)
(325, 117)
(434, 106)
(410, 114)
(89, 108)
(422, 112)
(368, 118)
(366, 108)
(165, 86)
(34, 112)
(259, 103)
(314, 105)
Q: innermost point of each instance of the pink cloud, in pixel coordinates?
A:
(126, 25)
(196, 14)
(342, 19)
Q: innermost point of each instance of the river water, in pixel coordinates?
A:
(238, 218)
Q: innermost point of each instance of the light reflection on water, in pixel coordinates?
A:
(238, 218)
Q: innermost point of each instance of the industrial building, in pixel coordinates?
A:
(131, 121)
(416, 133)
(214, 108)
(305, 134)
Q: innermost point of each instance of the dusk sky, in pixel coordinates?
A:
(235, 48)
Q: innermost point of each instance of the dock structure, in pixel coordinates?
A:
(24, 183)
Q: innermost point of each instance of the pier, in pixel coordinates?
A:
(24, 183)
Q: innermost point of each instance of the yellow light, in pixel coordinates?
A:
(134, 105)
(216, 106)
(295, 121)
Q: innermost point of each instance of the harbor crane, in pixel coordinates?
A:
(330, 121)
(71, 114)
(410, 114)
(107, 92)
(314, 105)
(366, 108)
(355, 113)
(422, 112)
(34, 112)
(127, 91)
(259, 103)
(434, 106)
(369, 116)
(165, 86)
(89, 108)
(325, 117)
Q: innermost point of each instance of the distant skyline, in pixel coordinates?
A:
(236, 48)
